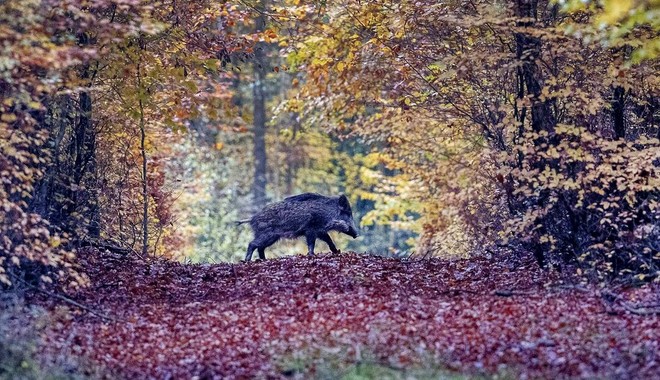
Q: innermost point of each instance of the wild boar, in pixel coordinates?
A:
(309, 214)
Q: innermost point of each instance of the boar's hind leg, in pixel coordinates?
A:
(260, 244)
(251, 248)
(328, 240)
(311, 240)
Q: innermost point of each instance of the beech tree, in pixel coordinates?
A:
(90, 112)
(519, 134)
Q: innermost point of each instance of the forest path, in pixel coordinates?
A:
(316, 316)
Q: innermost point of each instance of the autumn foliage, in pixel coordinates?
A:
(485, 128)
(92, 95)
(517, 127)
(32, 62)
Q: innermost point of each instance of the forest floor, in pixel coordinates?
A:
(354, 316)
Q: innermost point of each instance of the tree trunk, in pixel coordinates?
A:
(143, 152)
(530, 85)
(64, 195)
(618, 115)
(86, 161)
(292, 159)
(528, 50)
(259, 99)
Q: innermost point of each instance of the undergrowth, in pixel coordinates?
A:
(21, 354)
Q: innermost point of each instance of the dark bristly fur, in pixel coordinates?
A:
(309, 214)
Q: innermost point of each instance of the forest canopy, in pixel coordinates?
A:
(456, 128)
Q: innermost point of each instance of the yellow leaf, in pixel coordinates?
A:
(8, 117)
(615, 10)
(55, 242)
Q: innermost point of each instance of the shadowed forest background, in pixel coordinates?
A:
(496, 130)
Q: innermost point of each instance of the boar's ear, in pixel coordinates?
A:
(343, 202)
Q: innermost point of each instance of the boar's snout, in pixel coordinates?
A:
(346, 215)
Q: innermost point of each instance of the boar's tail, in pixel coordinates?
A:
(239, 222)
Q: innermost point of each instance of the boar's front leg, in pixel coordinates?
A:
(262, 253)
(311, 240)
(328, 240)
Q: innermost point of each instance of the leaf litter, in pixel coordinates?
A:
(252, 320)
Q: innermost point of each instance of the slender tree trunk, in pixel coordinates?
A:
(145, 185)
(618, 112)
(237, 98)
(528, 50)
(291, 159)
(619, 96)
(259, 99)
(84, 165)
(42, 200)
(88, 160)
